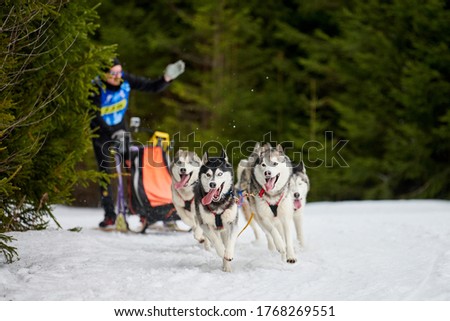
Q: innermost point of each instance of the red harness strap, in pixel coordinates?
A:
(273, 207)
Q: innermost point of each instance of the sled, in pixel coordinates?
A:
(148, 181)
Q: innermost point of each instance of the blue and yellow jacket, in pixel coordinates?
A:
(113, 102)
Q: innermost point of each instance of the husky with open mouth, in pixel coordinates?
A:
(299, 188)
(184, 171)
(272, 203)
(216, 208)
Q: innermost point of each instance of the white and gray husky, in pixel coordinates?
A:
(216, 208)
(184, 171)
(271, 201)
(299, 188)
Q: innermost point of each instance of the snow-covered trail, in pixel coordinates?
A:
(372, 250)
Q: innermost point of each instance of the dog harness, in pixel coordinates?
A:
(273, 207)
(187, 205)
(217, 216)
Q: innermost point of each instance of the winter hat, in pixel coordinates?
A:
(116, 62)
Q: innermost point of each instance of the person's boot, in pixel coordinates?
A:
(110, 214)
(107, 222)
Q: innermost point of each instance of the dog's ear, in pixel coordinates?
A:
(260, 155)
(280, 148)
(299, 168)
(205, 158)
(257, 147)
(195, 157)
(255, 153)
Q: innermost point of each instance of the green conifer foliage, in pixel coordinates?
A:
(386, 76)
(47, 64)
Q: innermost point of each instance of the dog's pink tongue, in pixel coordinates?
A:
(297, 204)
(182, 182)
(207, 199)
(270, 184)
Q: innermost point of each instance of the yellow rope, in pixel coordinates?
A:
(248, 223)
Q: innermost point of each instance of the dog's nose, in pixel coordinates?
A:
(212, 185)
(296, 195)
(183, 170)
(268, 173)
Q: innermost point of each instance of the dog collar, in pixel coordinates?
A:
(262, 192)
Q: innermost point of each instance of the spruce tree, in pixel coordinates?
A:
(390, 95)
(48, 62)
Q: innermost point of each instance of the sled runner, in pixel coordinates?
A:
(148, 184)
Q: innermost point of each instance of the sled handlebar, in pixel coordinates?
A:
(157, 138)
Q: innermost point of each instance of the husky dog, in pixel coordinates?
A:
(299, 188)
(184, 171)
(216, 209)
(272, 203)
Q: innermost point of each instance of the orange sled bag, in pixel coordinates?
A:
(149, 188)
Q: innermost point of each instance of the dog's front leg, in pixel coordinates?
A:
(200, 237)
(230, 243)
(298, 222)
(215, 240)
(226, 267)
(198, 234)
(275, 235)
(230, 238)
(289, 242)
(185, 217)
(270, 244)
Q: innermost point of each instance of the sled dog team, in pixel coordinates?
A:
(268, 186)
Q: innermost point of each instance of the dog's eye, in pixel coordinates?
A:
(219, 174)
(179, 163)
(275, 164)
(263, 165)
(208, 175)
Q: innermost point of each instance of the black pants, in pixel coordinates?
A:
(106, 164)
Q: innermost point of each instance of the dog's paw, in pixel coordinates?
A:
(291, 260)
(228, 259)
(226, 266)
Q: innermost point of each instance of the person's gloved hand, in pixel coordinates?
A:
(174, 70)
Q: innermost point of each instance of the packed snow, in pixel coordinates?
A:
(371, 250)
